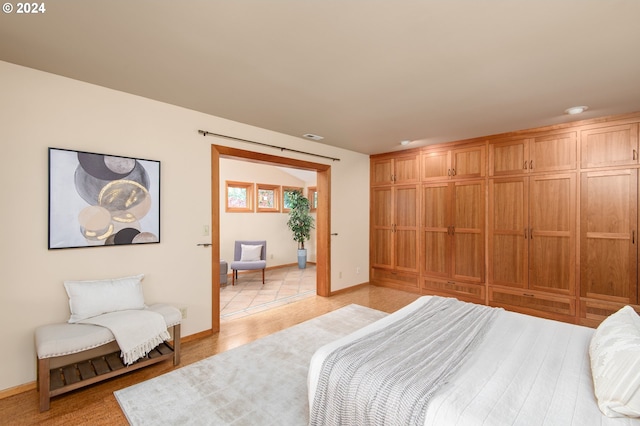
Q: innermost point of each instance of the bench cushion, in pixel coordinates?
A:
(60, 339)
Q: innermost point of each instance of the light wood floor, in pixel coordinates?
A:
(96, 405)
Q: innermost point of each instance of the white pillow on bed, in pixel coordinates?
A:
(90, 298)
(615, 364)
(250, 253)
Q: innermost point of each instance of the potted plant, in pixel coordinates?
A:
(300, 223)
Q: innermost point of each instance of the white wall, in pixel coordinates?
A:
(40, 110)
(271, 226)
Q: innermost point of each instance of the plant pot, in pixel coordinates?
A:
(302, 258)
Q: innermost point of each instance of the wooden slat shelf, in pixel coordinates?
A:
(77, 375)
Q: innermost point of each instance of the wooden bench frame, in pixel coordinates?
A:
(62, 374)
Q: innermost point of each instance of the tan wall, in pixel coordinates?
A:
(40, 110)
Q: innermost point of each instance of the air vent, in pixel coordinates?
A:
(313, 137)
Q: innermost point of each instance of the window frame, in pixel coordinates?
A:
(248, 186)
(312, 195)
(276, 198)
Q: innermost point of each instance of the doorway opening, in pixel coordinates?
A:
(323, 229)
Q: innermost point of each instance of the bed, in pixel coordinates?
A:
(515, 370)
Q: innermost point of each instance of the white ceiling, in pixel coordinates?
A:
(365, 74)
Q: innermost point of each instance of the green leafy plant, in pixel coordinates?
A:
(300, 222)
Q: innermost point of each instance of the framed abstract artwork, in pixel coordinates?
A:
(102, 200)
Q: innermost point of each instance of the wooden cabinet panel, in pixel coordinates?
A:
(406, 170)
(469, 292)
(508, 231)
(394, 227)
(382, 172)
(609, 146)
(608, 235)
(557, 307)
(468, 162)
(508, 157)
(552, 233)
(532, 234)
(468, 231)
(435, 230)
(553, 152)
(396, 170)
(453, 230)
(460, 163)
(593, 312)
(405, 281)
(406, 228)
(435, 165)
(533, 154)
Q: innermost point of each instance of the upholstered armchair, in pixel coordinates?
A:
(248, 255)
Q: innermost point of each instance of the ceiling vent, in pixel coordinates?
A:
(313, 137)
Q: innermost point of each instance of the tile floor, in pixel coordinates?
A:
(281, 286)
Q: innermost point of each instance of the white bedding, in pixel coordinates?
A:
(528, 371)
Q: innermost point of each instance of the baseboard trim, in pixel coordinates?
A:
(348, 289)
(17, 390)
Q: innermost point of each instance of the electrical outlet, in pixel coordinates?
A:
(205, 231)
(183, 312)
(358, 270)
(271, 257)
(340, 274)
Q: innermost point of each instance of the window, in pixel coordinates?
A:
(239, 196)
(286, 190)
(312, 194)
(268, 198)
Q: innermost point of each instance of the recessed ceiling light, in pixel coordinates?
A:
(405, 143)
(313, 137)
(576, 110)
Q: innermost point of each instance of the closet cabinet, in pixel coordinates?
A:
(394, 235)
(608, 242)
(460, 163)
(452, 234)
(533, 154)
(609, 146)
(395, 170)
(532, 244)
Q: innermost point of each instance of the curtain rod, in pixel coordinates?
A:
(205, 133)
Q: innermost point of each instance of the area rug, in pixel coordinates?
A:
(261, 383)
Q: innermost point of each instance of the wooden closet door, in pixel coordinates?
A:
(609, 146)
(552, 239)
(435, 228)
(509, 157)
(406, 227)
(468, 231)
(608, 235)
(382, 244)
(508, 231)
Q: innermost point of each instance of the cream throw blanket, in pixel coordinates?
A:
(136, 331)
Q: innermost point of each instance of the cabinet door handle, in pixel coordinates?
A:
(635, 154)
(528, 295)
(525, 165)
(531, 233)
(448, 172)
(531, 165)
(453, 230)
(633, 237)
(453, 172)
(525, 233)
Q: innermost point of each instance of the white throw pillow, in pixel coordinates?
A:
(615, 364)
(90, 298)
(250, 253)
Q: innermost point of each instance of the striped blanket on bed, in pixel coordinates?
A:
(389, 376)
